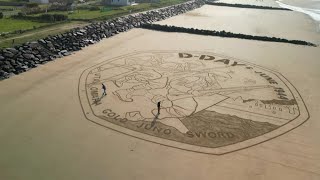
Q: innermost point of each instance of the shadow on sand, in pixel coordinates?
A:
(154, 120)
(97, 101)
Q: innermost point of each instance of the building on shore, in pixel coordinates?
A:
(118, 2)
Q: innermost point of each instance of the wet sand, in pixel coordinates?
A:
(291, 25)
(45, 135)
(311, 4)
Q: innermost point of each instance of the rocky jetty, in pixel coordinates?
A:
(245, 6)
(167, 28)
(30, 55)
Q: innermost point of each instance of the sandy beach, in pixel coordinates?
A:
(44, 133)
(250, 21)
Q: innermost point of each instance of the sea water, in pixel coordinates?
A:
(311, 8)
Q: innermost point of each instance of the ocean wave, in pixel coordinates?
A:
(313, 13)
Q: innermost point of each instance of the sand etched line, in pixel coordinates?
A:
(210, 103)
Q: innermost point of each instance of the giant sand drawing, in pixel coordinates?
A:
(210, 103)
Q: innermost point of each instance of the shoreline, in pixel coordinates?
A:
(312, 13)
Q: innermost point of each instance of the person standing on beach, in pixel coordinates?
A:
(104, 90)
(158, 104)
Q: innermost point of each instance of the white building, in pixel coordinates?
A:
(40, 1)
(119, 2)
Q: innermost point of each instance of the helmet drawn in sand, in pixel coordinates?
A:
(180, 87)
(209, 102)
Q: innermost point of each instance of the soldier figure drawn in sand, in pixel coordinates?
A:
(204, 100)
(183, 88)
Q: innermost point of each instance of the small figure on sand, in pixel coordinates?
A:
(104, 90)
(158, 104)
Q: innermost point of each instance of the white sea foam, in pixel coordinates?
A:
(313, 13)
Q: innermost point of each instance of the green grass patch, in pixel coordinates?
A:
(39, 33)
(10, 25)
(86, 14)
(9, 1)
(170, 2)
(8, 7)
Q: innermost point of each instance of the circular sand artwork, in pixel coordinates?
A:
(209, 103)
